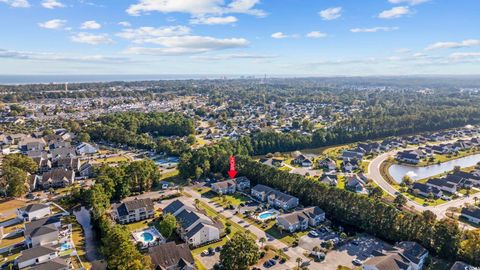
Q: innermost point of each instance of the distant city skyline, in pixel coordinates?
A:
(296, 37)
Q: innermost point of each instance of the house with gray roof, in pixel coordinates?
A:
(33, 212)
(57, 178)
(42, 231)
(472, 214)
(274, 197)
(302, 219)
(134, 211)
(404, 256)
(36, 255)
(60, 263)
(195, 228)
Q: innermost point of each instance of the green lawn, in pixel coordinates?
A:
(5, 242)
(234, 199)
(285, 168)
(140, 225)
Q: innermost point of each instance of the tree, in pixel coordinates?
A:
(299, 262)
(167, 225)
(376, 193)
(407, 181)
(83, 137)
(400, 200)
(262, 240)
(240, 252)
(16, 182)
(22, 162)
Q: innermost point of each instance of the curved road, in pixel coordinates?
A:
(439, 210)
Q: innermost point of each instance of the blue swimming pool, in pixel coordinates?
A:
(265, 215)
(147, 237)
(270, 214)
(65, 246)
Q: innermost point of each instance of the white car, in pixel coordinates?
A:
(313, 233)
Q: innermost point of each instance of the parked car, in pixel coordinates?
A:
(357, 262)
(313, 233)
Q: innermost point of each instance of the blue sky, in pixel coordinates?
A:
(290, 37)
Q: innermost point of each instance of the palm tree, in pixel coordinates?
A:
(262, 240)
(299, 262)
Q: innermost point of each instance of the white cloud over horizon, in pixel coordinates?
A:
(395, 12)
(331, 13)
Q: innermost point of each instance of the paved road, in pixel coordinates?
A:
(440, 210)
(293, 253)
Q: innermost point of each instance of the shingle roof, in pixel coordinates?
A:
(33, 227)
(35, 252)
(34, 207)
(170, 254)
(55, 264)
(173, 207)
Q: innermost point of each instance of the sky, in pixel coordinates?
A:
(250, 37)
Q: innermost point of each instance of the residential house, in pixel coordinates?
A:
(195, 228)
(43, 231)
(370, 148)
(408, 157)
(33, 211)
(328, 164)
(425, 190)
(302, 219)
(356, 183)
(86, 149)
(443, 184)
(224, 187)
(458, 265)
(472, 214)
(170, 256)
(242, 182)
(329, 179)
(274, 197)
(134, 210)
(351, 154)
(350, 165)
(36, 255)
(404, 256)
(303, 161)
(58, 177)
(60, 263)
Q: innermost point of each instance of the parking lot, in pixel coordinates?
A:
(360, 249)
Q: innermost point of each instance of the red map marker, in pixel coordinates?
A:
(232, 172)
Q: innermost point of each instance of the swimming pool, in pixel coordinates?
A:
(267, 215)
(65, 246)
(147, 237)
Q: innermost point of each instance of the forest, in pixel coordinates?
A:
(142, 130)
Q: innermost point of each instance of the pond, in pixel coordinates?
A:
(83, 217)
(416, 173)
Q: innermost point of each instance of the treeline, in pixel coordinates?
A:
(114, 184)
(373, 123)
(16, 169)
(143, 130)
(443, 238)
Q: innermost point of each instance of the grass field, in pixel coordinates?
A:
(8, 208)
(234, 199)
(108, 160)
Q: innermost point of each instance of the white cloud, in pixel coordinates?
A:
(468, 56)
(91, 39)
(373, 29)
(143, 34)
(402, 50)
(408, 2)
(213, 20)
(48, 56)
(331, 13)
(90, 25)
(279, 35)
(196, 7)
(125, 24)
(454, 45)
(16, 3)
(234, 56)
(176, 40)
(316, 34)
(394, 13)
(53, 24)
(51, 4)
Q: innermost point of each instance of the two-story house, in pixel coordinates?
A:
(133, 211)
(302, 219)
